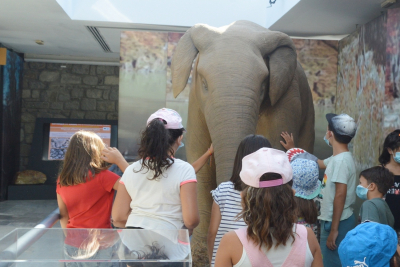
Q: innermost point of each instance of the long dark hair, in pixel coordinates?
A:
(249, 144)
(269, 212)
(392, 141)
(156, 147)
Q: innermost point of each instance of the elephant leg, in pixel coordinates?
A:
(198, 141)
(284, 116)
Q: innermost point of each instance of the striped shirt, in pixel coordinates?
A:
(229, 202)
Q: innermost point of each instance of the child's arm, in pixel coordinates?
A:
(338, 205)
(213, 229)
(121, 207)
(112, 155)
(369, 212)
(198, 164)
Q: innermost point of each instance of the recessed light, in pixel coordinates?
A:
(39, 42)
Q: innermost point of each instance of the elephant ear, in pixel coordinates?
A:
(280, 51)
(193, 41)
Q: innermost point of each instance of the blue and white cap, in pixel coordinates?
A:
(369, 244)
(342, 124)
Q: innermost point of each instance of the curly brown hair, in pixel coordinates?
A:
(269, 212)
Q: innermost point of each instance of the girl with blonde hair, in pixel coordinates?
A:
(85, 188)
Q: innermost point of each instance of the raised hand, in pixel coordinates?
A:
(289, 141)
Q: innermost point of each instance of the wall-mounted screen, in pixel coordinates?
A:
(60, 133)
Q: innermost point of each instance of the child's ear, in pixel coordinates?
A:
(373, 186)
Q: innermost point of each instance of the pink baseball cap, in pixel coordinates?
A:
(265, 160)
(173, 119)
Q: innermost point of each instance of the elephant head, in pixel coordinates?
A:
(240, 69)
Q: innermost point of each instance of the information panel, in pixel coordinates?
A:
(60, 133)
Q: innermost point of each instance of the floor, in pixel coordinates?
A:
(24, 214)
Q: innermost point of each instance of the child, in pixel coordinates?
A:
(307, 187)
(272, 237)
(390, 159)
(227, 200)
(85, 188)
(374, 183)
(369, 244)
(158, 191)
(338, 185)
(85, 192)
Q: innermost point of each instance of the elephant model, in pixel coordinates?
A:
(246, 80)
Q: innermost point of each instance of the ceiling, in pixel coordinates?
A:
(327, 17)
(69, 40)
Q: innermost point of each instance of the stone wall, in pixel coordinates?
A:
(65, 91)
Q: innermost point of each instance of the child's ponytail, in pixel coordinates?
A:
(155, 147)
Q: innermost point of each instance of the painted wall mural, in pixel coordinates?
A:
(10, 90)
(145, 83)
(319, 61)
(391, 107)
(368, 84)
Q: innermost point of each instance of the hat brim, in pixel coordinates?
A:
(310, 196)
(329, 116)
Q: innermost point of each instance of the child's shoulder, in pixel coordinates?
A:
(342, 158)
(226, 186)
(374, 202)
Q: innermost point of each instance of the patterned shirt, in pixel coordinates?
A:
(229, 202)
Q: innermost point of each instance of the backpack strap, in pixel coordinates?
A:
(297, 255)
(255, 255)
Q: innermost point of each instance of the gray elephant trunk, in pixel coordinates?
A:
(229, 123)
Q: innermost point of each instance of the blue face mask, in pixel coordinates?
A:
(327, 141)
(396, 157)
(362, 192)
(181, 145)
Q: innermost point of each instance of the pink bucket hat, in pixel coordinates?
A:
(265, 160)
(170, 116)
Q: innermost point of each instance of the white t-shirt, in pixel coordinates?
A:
(156, 204)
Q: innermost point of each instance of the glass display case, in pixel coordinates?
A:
(95, 247)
